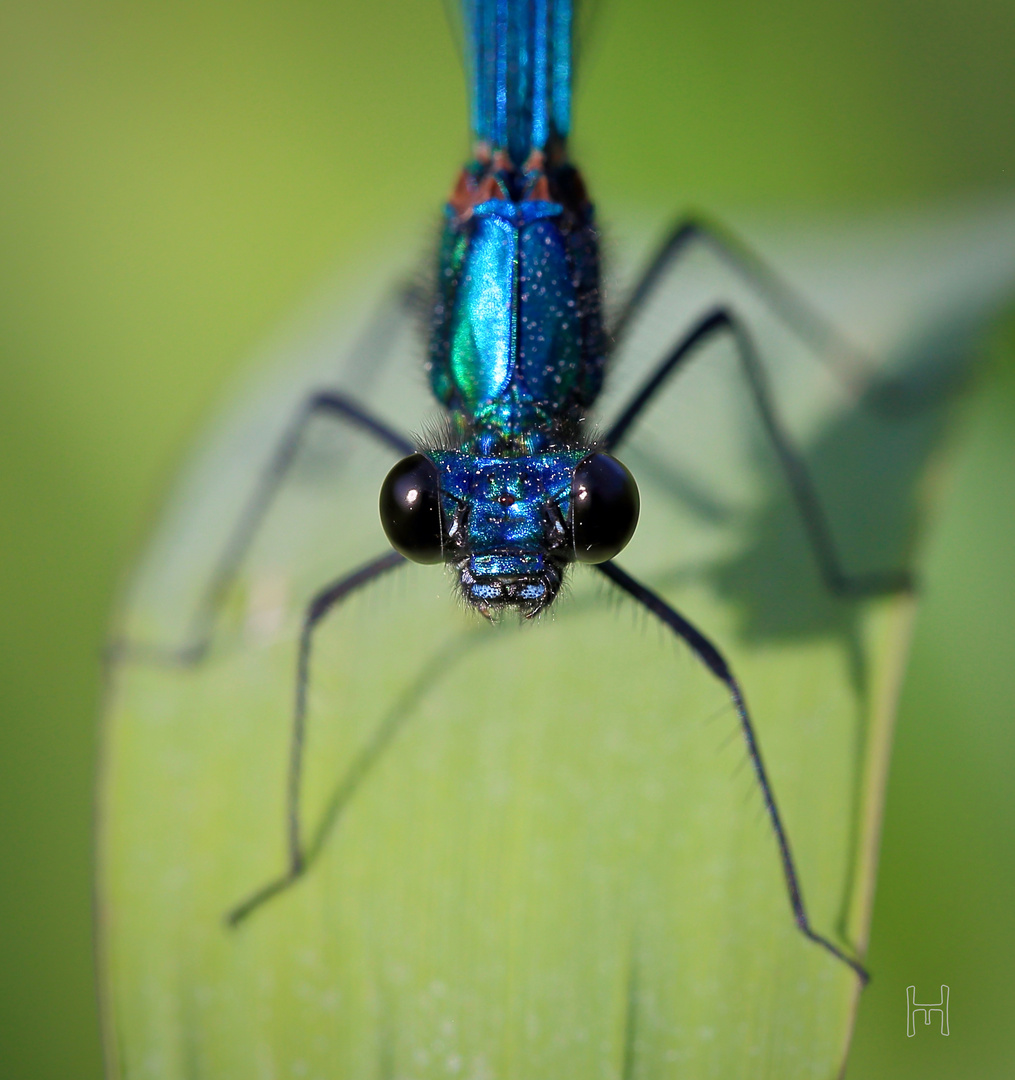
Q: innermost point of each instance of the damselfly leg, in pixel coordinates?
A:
(719, 322)
(858, 372)
(324, 602)
(334, 405)
(713, 659)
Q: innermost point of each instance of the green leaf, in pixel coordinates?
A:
(533, 849)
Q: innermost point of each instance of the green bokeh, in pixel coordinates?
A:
(174, 179)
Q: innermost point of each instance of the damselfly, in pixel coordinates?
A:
(515, 488)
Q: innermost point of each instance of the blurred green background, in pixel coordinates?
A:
(174, 179)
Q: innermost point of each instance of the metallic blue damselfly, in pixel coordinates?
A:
(514, 488)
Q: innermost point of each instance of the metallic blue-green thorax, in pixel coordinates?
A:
(515, 345)
(516, 350)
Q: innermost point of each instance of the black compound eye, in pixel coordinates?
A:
(604, 508)
(411, 509)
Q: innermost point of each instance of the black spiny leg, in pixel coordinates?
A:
(330, 403)
(320, 606)
(855, 369)
(713, 660)
(819, 533)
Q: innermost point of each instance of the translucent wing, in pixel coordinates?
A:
(529, 853)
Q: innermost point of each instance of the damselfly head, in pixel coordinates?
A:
(509, 526)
